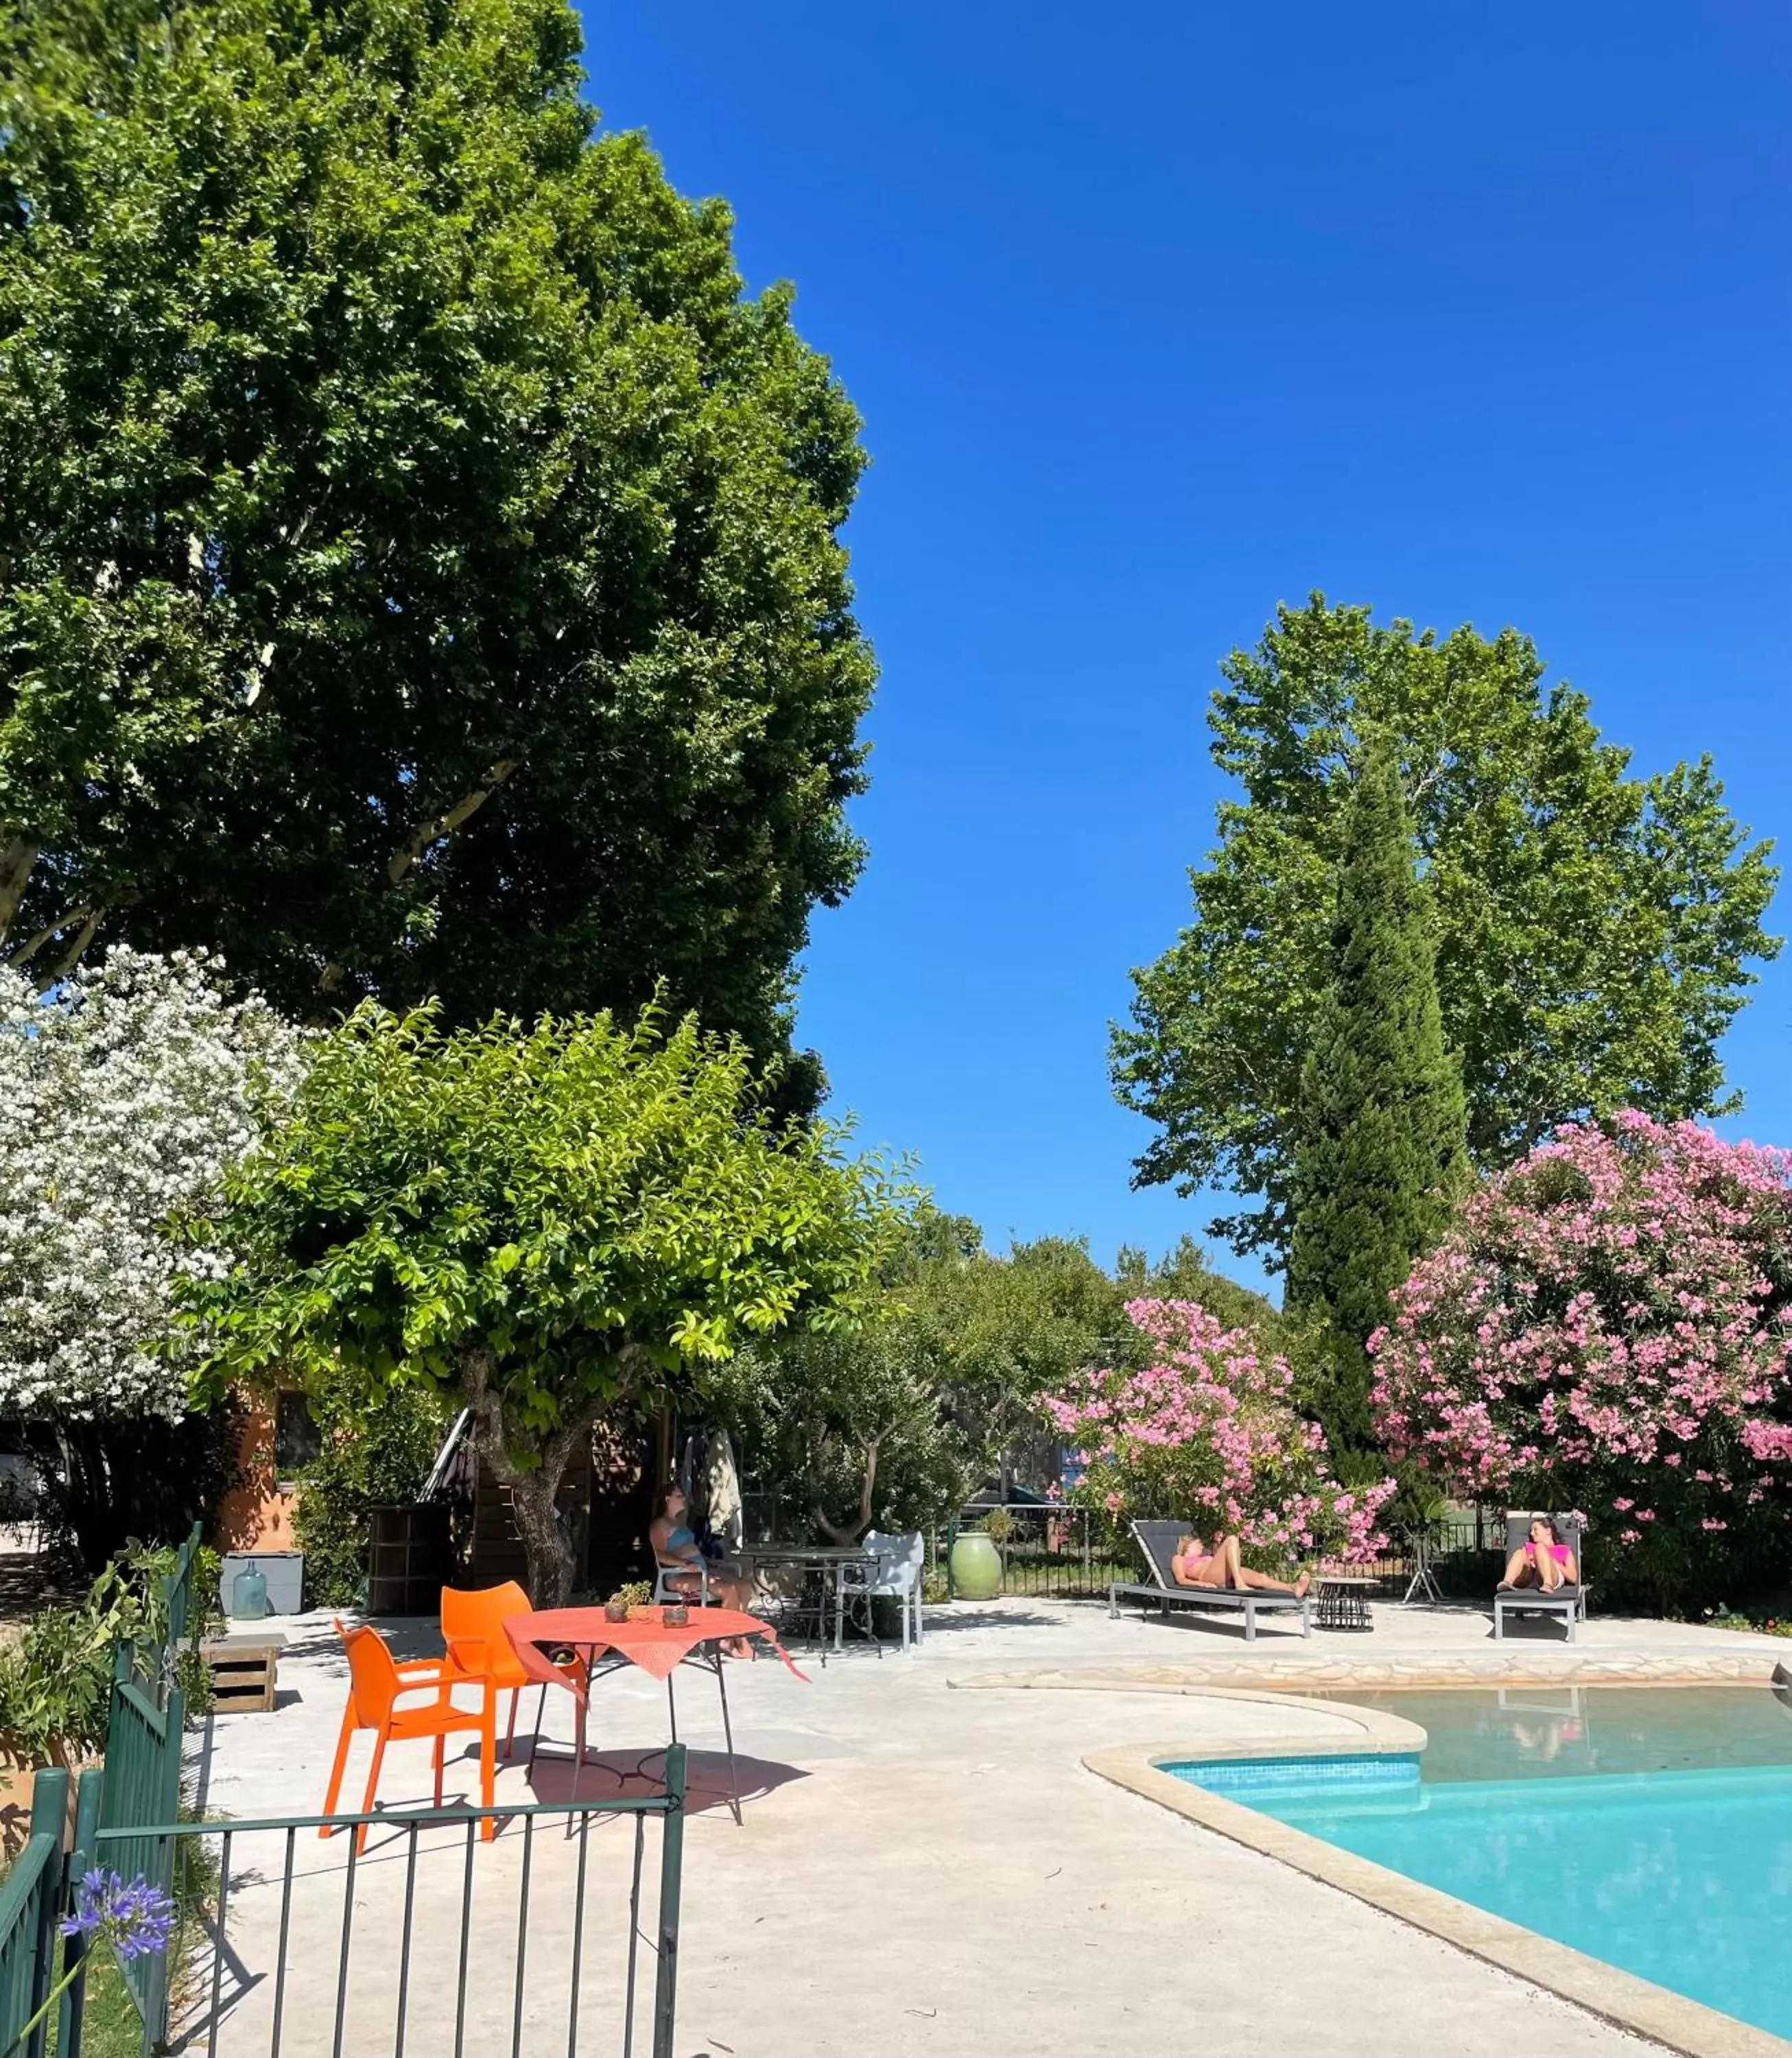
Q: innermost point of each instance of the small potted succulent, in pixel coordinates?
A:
(623, 1603)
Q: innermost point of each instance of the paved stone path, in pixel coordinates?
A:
(923, 1873)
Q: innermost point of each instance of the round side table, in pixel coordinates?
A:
(1343, 1604)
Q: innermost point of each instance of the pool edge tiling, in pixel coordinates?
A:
(1656, 2012)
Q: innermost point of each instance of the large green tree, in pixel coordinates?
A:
(1594, 931)
(419, 561)
(1184, 1274)
(1381, 1151)
(551, 1223)
(897, 1422)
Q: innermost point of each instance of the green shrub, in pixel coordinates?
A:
(366, 1460)
(56, 1682)
(1767, 1625)
(112, 1483)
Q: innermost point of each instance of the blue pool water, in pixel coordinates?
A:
(1651, 1828)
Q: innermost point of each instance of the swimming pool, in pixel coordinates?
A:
(1649, 1827)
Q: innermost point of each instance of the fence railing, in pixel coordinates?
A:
(143, 1749)
(139, 1789)
(178, 1588)
(1050, 1551)
(142, 1782)
(31, 1903)
(305, 1945)
(1060, 1551)
(432, 1940)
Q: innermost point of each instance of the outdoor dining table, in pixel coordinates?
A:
(645, 1639)
(830, 1561)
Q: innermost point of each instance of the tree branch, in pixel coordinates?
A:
(18, 855)
(477, 1366)
(868, 1480)
(23, 956)
(423, 839)
(73, 955)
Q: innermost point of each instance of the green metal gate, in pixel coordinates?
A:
(128, 1821)
(142, 1785)
(297, 1983)
(31, 1902)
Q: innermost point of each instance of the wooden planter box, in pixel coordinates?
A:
(245, 1670)
(18, 1781)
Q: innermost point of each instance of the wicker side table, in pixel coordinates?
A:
(1343, 1604)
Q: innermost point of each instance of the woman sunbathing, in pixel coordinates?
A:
(1194, 1565)
(1546, 1561)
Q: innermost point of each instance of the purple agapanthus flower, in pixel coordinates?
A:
(135, 1919)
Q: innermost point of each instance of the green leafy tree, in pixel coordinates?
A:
(553, 1223)
(420, 570)
(1006, 1331)
(897, 1424)
(1595, 933)
(1380, 1154)
(843, 1432)
(1185, 1274)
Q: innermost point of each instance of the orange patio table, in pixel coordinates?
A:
(647, 1640)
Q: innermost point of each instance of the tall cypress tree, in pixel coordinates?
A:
(1380, 1121)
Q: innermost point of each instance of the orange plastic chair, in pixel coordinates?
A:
(473, 1629)
(376, 1686)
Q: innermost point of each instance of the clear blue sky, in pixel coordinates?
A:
(1158, 315)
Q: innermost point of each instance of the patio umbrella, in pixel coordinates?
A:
(723, 1491)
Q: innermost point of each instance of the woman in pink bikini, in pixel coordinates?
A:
(1194, 1565)
(1546, 1561)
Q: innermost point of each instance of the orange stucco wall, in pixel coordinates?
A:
(256, 1516)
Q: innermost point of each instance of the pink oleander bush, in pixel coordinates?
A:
(1208, 1431)
(1609, 1328)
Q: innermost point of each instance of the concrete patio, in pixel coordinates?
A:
(922, 1869)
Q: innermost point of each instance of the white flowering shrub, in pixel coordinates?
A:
(124, 1093)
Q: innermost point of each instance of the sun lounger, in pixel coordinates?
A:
(1157, 1540)
(1569, 1602)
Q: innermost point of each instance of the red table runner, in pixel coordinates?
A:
(646, 1638)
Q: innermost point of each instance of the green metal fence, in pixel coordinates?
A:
(269, 1953)
(278, 1945)
(31, 1903)
(1049, 1550)
(141, 1787)
(1053, 1551)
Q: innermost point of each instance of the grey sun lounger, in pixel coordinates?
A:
(1157, 1540)
(1569, 1602)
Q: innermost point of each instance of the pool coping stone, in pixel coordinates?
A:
(1507, 1666)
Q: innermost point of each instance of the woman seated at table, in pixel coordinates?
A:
(1194, 1565)
(675, 1548)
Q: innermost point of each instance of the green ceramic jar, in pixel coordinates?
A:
(977, 1567)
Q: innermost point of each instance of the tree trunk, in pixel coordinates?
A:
(868, 1480)
(18, 857)
(93, 1517)
(551, 1568)
(535, 1488)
